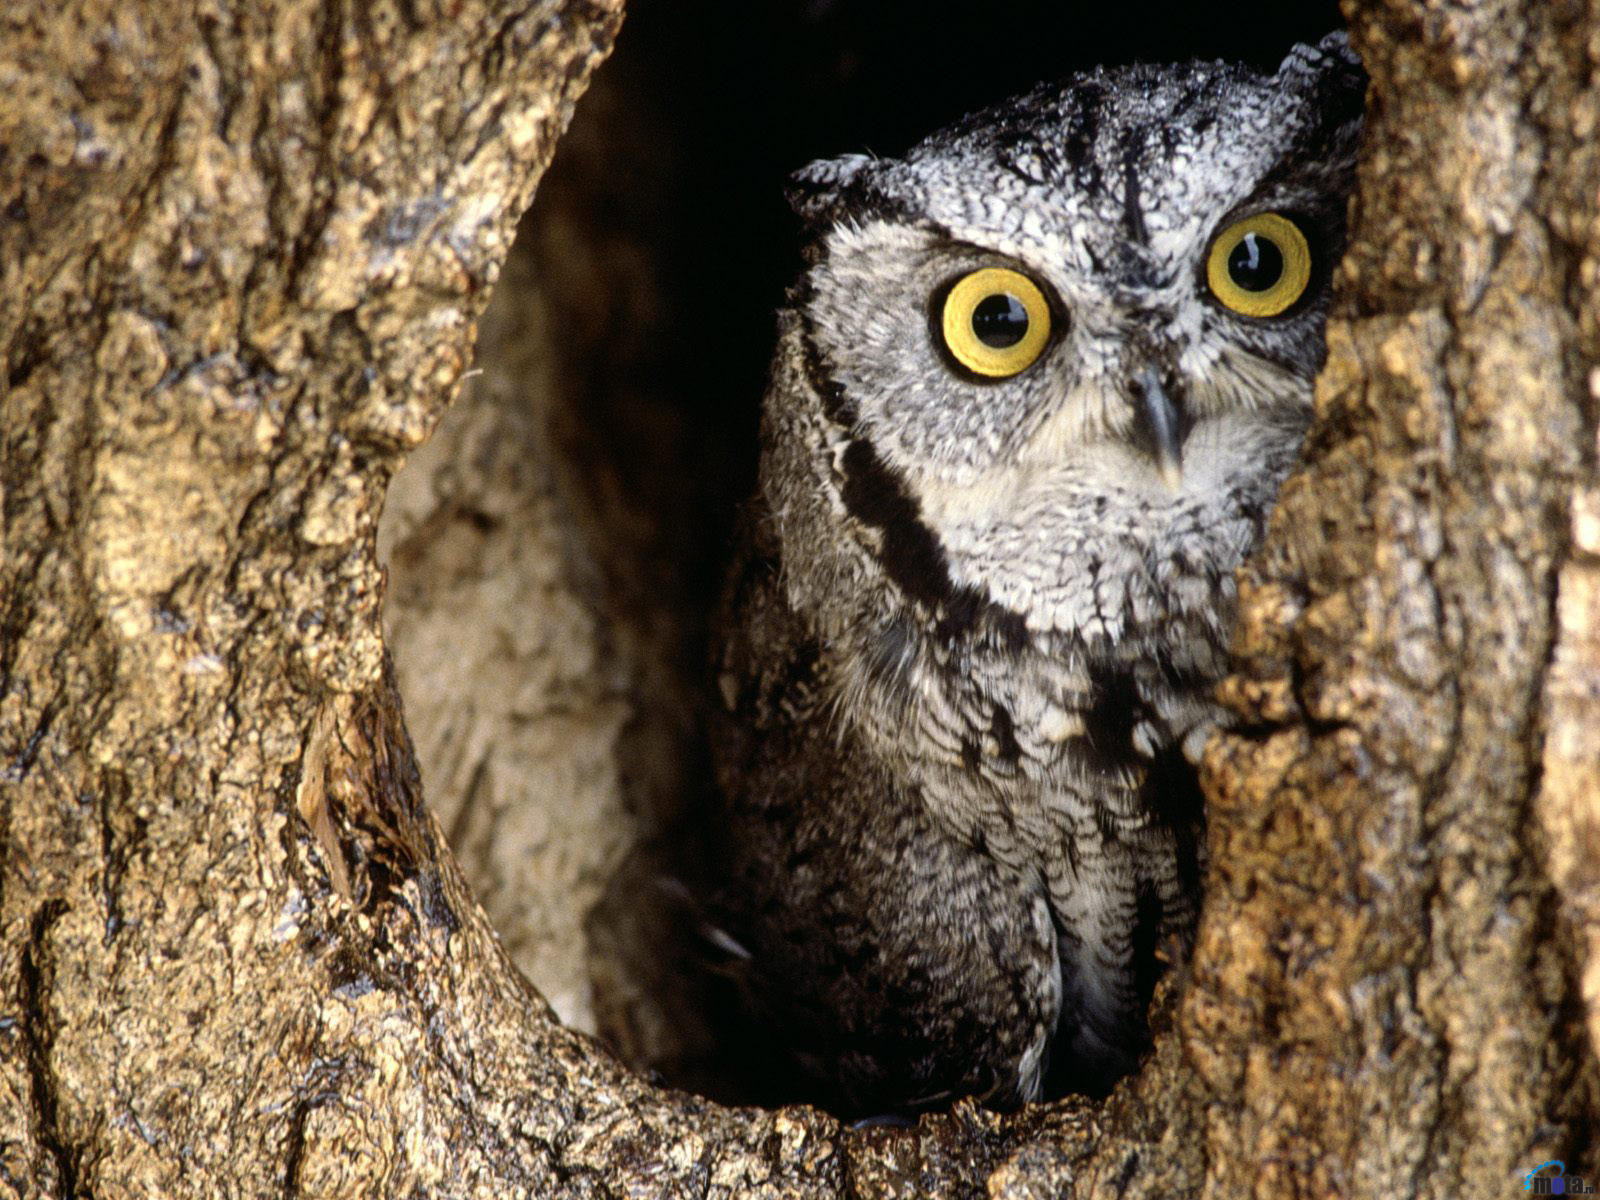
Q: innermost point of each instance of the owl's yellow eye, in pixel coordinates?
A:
(1259, 266)
(995, 322)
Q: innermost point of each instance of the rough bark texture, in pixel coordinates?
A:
(242, 249)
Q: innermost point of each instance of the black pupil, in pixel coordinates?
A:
(1256, 263)
(1000, 320)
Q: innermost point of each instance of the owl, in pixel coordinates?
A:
(1033, 396)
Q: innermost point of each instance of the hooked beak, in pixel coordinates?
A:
(1162, 424)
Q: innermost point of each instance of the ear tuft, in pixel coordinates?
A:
(1331, 73)
(815, 191)
(1332, 53)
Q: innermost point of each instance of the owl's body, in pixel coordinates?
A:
(985, 588)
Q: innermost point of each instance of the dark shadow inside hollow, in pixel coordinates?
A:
(642, 292)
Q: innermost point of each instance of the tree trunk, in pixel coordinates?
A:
(242, 251)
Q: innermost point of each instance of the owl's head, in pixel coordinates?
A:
(1111, 289)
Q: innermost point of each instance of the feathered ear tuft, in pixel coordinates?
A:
(815, 191)
(1330, 74)
(1332, 53)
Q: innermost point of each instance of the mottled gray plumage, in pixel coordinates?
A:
(969, 647)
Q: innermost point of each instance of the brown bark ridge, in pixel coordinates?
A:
(242, 249)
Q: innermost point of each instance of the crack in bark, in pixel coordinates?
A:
(38, 1036)
(294, 1150)
(321, 1087)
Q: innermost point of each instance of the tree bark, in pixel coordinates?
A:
(242, 251)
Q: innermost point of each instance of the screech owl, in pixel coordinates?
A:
(1032, 400)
